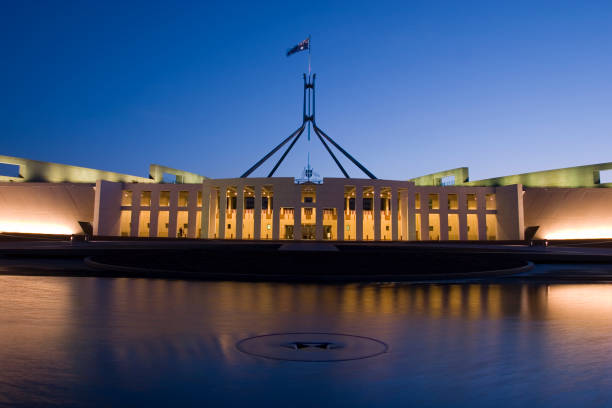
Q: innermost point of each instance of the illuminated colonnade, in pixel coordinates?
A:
(360, 209)
(337, 209)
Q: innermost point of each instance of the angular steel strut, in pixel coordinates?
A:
(309, 93)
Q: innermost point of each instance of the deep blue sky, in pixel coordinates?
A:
(408, 88)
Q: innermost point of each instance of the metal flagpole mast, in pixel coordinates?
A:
(309, 112)
(307, 121)
(309, 43)
(309, 80)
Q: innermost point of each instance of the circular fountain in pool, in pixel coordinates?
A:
(312, 346)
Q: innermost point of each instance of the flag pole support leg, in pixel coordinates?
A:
(351, 158)
(267, 156)
(286, 152)
(332, 154)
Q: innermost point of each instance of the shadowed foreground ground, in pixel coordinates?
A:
(347, 261)
(305, 261)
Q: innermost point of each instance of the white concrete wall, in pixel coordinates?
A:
(45, 207)
(569, 213)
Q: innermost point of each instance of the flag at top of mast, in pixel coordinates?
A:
(303, 46)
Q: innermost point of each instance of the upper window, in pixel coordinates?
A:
(471, 202)
(126, 197)
(434, 202)
(164, 198)
(183, 198)
(145, 199)
(453, 203)
(491, 203)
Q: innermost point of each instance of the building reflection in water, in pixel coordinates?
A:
(81, 329)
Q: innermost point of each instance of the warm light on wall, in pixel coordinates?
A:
(35, 228)
(586, 233)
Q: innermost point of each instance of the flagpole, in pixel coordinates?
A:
(309, 48)
(309, 93)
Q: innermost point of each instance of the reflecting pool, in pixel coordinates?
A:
(102, 342)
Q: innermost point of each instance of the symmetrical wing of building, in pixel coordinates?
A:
(55, 198)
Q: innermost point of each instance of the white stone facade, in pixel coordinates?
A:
(278, 208)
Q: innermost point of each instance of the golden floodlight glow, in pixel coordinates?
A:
(581, 233)
(581, 300)
(34, 228)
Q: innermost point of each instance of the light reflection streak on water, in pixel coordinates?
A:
(542, 344)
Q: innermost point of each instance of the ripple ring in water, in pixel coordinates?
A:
(312, 346)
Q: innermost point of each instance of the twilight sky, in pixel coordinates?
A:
(408, 88)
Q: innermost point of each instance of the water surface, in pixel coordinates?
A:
(102, 342)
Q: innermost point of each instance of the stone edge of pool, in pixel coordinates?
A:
(168, 273)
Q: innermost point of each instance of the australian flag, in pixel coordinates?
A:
(304, 45)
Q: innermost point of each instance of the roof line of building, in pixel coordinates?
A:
(579, 176)
(570, 177)
(40, 171)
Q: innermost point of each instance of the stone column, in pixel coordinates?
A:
(213, 230)
(407, 215)
(257, 214)
(482, 226)
(135, 220)
(481, 205)
(359, 213)
(412, 232)
(340, 220)
(154, 215)
(463, 232)
(394, 221)
(424, 216)
(376, 208)
(205, 211)
(222, 211)
(319, 223)
(239, 211)
(443, 216)
(297, 222)
(192, 215)
(173, 208)
(275, 219)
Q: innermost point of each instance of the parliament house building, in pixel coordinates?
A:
(52, 198)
